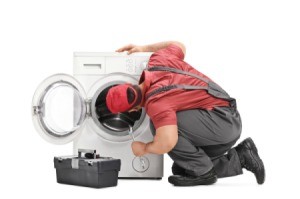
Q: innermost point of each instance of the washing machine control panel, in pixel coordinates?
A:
(104, 63)
(133, 67)
(130, 65)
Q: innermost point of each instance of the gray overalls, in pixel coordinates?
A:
(205, 137)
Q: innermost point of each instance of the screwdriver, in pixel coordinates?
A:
(130, 132)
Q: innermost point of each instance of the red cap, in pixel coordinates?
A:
(116, 98)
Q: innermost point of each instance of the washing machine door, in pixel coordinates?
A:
(59, 108)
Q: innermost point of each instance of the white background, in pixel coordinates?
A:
(251, 48)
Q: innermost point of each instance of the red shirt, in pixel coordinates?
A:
(162, 107)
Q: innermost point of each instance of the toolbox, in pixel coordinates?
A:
(87, 169)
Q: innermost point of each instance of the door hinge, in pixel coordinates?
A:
(39, 110)
(36, 110)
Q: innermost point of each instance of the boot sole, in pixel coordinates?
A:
(207, 181)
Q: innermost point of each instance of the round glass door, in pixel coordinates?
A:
(116, 124)
(59, 108)
(114, 127)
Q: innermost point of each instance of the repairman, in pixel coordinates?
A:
(192, 118)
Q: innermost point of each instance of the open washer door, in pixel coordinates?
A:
(59, 108)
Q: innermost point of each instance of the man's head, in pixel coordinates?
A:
(124, 97)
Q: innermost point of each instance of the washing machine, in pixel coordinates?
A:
(69, 108)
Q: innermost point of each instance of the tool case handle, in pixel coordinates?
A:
(85, 151)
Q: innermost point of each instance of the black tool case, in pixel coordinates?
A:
(89, 170)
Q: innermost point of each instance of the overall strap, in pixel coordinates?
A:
(175, 86)
(175, 70)
(212, 88)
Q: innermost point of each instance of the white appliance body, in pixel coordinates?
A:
(94, 74)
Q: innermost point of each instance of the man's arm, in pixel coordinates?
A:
(151, 47)
(164, 141)
(157, 46)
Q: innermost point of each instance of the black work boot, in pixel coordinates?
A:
(250, 159)
(188, 180)
(177, 170)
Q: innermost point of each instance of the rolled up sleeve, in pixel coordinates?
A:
(171, 50)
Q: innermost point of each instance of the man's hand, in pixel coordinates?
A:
(132, 49)
(151, 47)
(164, 141)
(138, 148)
